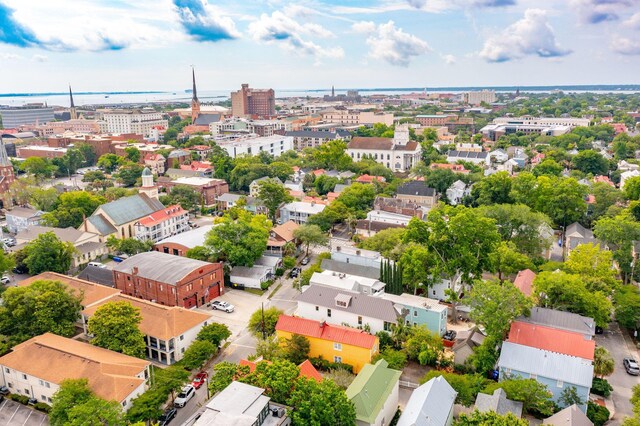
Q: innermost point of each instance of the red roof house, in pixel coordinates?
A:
(524, 281)
(551, 339)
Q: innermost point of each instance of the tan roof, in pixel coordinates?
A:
(111, 375)
(160, 321)
(92, 292)
(285, 231)
(370, 143)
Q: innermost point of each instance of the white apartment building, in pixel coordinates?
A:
(353, 117)
(544, 121)
(477, 97)
(243, 125)
(299, 211)
(140, 122)
(275, 145)
(162, 224)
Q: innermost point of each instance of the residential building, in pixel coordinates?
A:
(497, 156)
(398, 153)
(468, 147)
(155, 162)
(557, 371)
(334, 343)
(431, 404)
(368, 228)
(178, 245)
(275, 145)
(466, 343)
(418, 310)
(457, 191)
(12, 118)
(383, 217)
(254, 186)
(374, 394)
(524, 281)
(351, 269)
(228, 200)
(480, 96)
(418, 192)
(201, 168)
(169, 280)
(498, 403)
(171, 220)
(456, 168)
(208, 188)
(399, 206)
(478, 158)
(250, 276)
(435, 119)
(140, 122)
(561, 320)
(343, 281)
(40, 151)
(311, 138)
(37, 367)
(7, 176)
(22, 218)
(569, 416)
(345, 117)
(624, 176)
(552, 339)
(168, 330)
(281, 235)
(577, 234)
(300, 211)
(248, 102)
(348, 254)
(240, 404)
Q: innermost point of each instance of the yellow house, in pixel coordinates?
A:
(334, 343)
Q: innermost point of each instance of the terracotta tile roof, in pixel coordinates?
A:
(91, 292)
(306, 369)
(551, 339)
(160, 321)
(368, 179)
(524, 281)
(370, 143)
(111, 375)
(161, 215)
(285, 231)
(324, 331)
(410, 146)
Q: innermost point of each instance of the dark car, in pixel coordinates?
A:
(294, 273)
(167, 416)
(631, 365)
(4, 390)
(450, 335)
(20, 269)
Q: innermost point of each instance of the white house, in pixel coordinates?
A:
(430, 405)
(348, 254)
(343, 281)
(300, 211)
(162, 224)
(497, 156)
(624, 176)
(21, 218)
(457, 191)
(250, 277)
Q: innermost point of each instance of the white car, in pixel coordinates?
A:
(5, 280)
(223, 306)
(183, 397)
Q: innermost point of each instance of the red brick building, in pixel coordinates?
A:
(169, 280)
(209, 188)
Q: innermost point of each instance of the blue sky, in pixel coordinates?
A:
(150, 44)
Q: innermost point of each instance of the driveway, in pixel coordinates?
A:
(15, 414)
(245, 304)
(619, 347)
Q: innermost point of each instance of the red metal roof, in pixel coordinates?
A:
(524, 281)
(162, 215)
(324, 331)
(306, 369)
(551, 339)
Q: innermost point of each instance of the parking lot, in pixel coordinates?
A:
(245, 304)
(13, 413)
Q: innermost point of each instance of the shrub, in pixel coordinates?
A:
(461, 369)
(597, 414)
(41, 406)
(601, 387)
(397, 359)
(22, 399)
(279, 272)
(468, 386)
(265, 285)
(324, 365)
(289, 262)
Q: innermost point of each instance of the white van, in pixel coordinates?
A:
(97, 264)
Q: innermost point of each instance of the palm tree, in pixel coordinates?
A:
(603, 363)
(288, 249)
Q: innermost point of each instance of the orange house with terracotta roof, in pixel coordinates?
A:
(331, 342)
(551, 339)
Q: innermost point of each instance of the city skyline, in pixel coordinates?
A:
(115, 46)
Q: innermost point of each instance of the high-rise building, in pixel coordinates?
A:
(248, 102)
(140, 122)
(478, 97)
(13, 118)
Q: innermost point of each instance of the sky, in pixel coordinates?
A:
(135, 45)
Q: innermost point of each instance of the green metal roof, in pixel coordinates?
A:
(371, 388)
(128, 209)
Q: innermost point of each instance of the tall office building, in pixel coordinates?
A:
(29, 114)
(248, 102)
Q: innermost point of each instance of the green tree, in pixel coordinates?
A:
(129, 173)
(6, 262)
(277, 378)
(199, 253)
(619, 233)
(93, 175)
(273, 194)
(297, 349)
(606, 196)
(330, 155)
(187, 197)
(627, 304)
(590, 161)
(397, 359)
(565, 203)
(75, 404)
(40, 168)
(599, 415)
(132, 154)
(129, 246)
(44, 199)
(170, 380)
(214, 333)
(88, 153)
(631, 189)
(569, 396)
(358, 198)
(240, 242)
(594, 266)
(508, 261)
(310, 235)
(48, 253)
(115, 326)
(495, 305)
(109, 162)
(603, 363)
(489, 418)
(198, 354)
(424, 346)
(548, 167)
(415, 264)
(269, 348)
(535, 396)
(71, 392)
(493, 189)
(224, 373)
(71, 208)
(466, 385)
(321, 403)
(440, 179)
(259, 323)
(385, 242)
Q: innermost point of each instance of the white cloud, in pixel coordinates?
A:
(596, 11)
(10, 57)
(625, 46)
(391, 44)
(633, 22)
(531, 35)
(281, 29)
(449, 59)
(39, 58)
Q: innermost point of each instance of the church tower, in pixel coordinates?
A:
(195, 103)
(333, 91)
(72, 108)
(148, 187)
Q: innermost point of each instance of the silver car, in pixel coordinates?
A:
(222, 306)
(183, 397)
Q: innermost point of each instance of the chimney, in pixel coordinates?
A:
(135, 270)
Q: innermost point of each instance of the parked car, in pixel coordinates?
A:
(450, 335)
(223, 306)
(305, 261)
(631, 365)
(4, 390)
(10, 242)
(184, 396)
(167, 416)
(20, 270)
(199, 379)
(97, 265)
(5, 280)
(294, 273)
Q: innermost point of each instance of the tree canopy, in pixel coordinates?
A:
(240, 242)
(115, 326)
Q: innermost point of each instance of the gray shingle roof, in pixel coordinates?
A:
(161, 267)
(570, 416)
(128, 209)
(350, 268)
(562, 320)
(467, 154)
(97, 275)
(206, 119)
(551, 365)
(102, 224)
(361, 304)
(429, 405)
(499, 403)
(416, 187)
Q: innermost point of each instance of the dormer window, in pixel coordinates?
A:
(343, 300)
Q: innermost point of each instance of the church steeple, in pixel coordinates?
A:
(195, 103)
(72, 108)
(333, 92)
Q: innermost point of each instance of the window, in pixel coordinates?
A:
(317, 308)
(24, 376)
(26, 391)
(41, 382)
(337, 346)
(124, 403)
(10, 385)
(359, 320)
(387, 326)
(43, 397)
(337, 359)
(329, 313)
(6, 370)
(415, 313)
(182, 337)
(47, 385)
(560, 383)
(48, 399)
